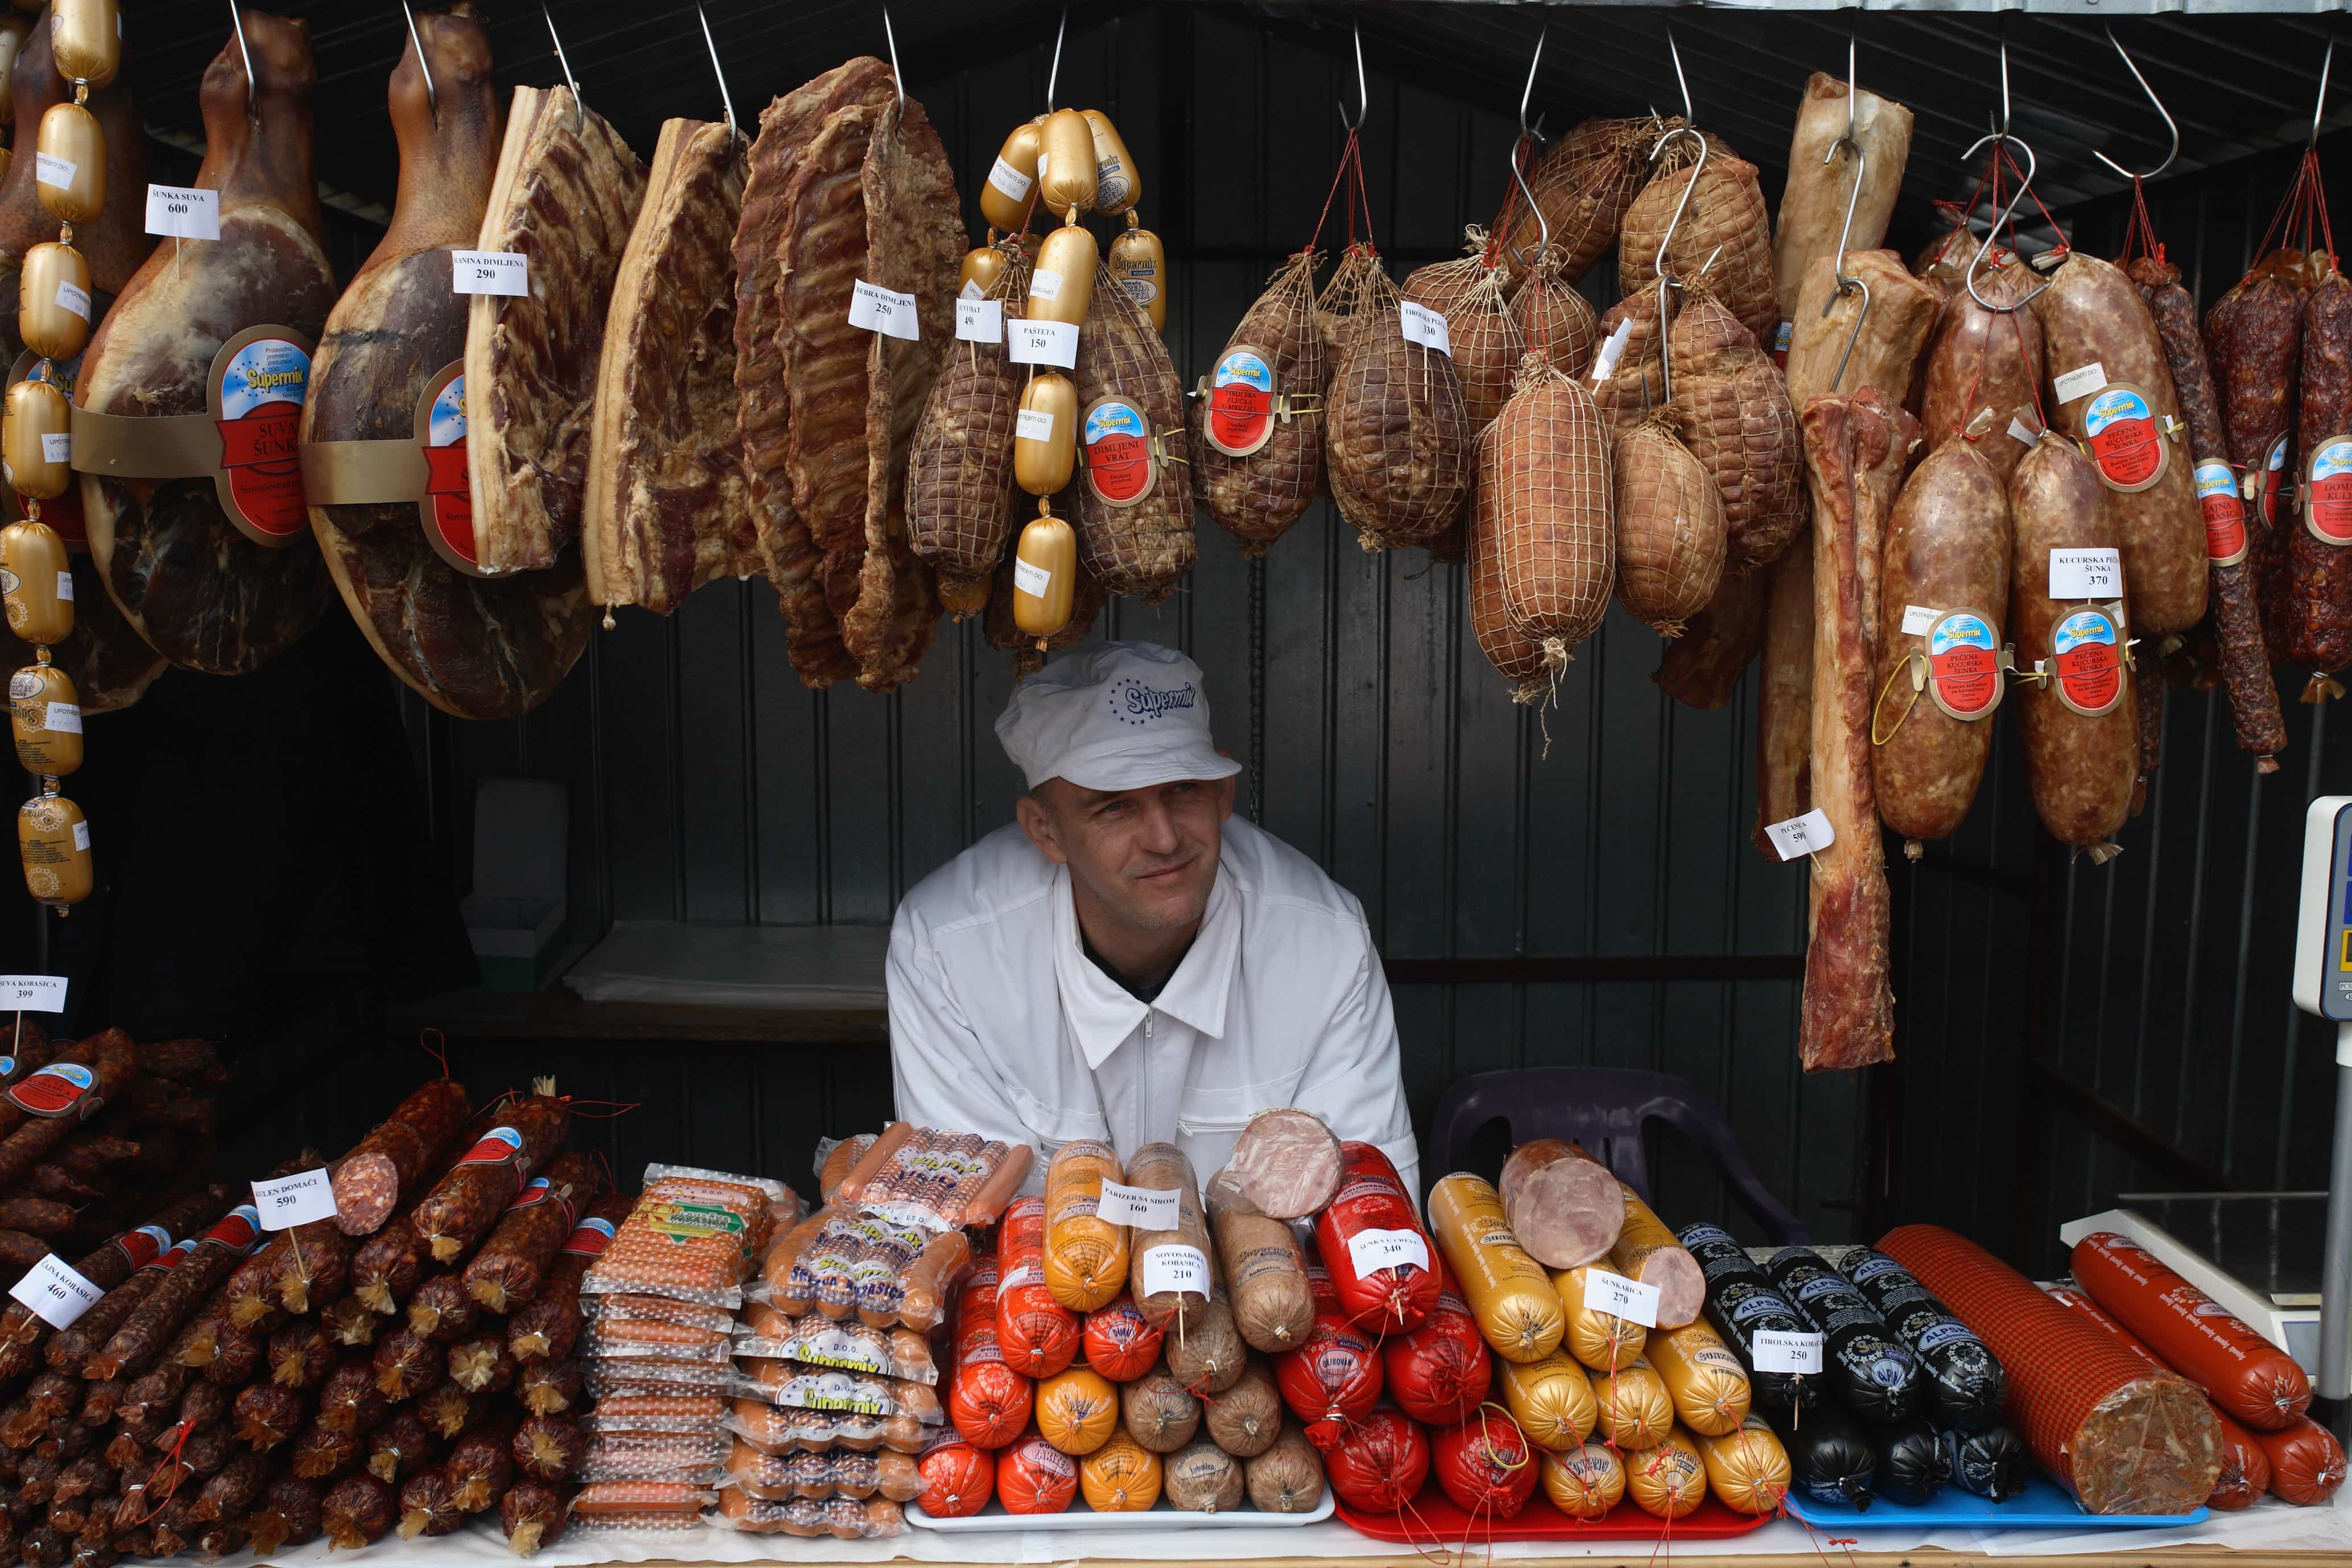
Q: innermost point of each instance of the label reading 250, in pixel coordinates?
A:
(504, 272)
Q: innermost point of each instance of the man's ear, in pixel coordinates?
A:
(1038, 824)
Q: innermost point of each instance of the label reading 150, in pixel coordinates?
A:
(1621, 1298)
(506, 272)
(294, 1200)
(182, 212)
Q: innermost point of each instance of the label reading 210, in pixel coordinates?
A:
(504, 272)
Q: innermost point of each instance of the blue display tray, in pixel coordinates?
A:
(2042, 1505)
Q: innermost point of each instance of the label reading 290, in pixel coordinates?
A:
(506, 272)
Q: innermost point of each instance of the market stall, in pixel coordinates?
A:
(529, 385)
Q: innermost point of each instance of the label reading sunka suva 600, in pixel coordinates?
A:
(2327, 492)
(2087, 661)
(2126, 443)
(1964, 665)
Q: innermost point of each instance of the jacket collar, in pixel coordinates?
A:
(1101, 1015)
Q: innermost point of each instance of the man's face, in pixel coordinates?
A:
(1144, 858)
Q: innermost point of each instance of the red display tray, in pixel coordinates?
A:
(1435, 1514)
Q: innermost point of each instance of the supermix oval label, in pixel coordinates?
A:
(2327, 492)
(1241, 402)
(589, 1237)
(1964, 665)
(61, 1088)
(2126, 443)
(2270, 494)
(2225, 514)
(261, 386)
(1117, 439)
(448, 503)
(2087, 657)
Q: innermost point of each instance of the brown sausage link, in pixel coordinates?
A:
(215, 1256)
(201, 1406)
(405, 1362)
(114, 1064)
(2081, 767)
(356, 1512)
(238, 1355)
(546, 1328)
(99, 1400)
(301, 1354)
(114, 1268)
(266, 1415)
(320, 1454)
(288, 1516)
(1983, 364)
(506, 1271)
(548, 1448)
(81, 1052)
(441, 1309)
(2092, 314)
(550, 1387)
(425, 1506)
(314, 1268)
(1947, 550)
(470, 1199)
(392, 1159)
(400, 1447)
(532, 1514)
(481, 1464)
(191, 1061)
(350, 1322)
(482, 1365)
(385, 1269)
(232, 1489)
(44, 1217)
(349, 1400)
(2319, 563)
(448, 1410)
(2254, 340)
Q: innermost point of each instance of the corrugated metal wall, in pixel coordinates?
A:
(708, 785)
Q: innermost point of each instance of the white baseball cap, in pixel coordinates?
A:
(1117, 715)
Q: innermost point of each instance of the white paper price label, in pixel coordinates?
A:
(980, 320)
(49, 169)
(1030, 579)
(65, 586)
(1621, 1298)
(81, 836)
(1371, 1250)
(53, 1293)
(2080, 383)
(1153, 1208)
(1172, 1269)
(1780, 1351)
(1801, 835)
(294, 1200)
(73, 297)
(1604, 364)
(1422, 325)
(1009, 180)
(1045, 285)
(32, 993)
(2085, 573)
(1034, 424)
(63, 718)
(1042, 342)
(57, 446)
(884, 311)
(506, 272)
(1916, 620)
(182, 212)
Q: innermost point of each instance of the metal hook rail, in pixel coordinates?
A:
(2003, 138)
(2173, 130)
(726, 100)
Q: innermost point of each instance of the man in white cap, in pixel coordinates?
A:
(1129, 961)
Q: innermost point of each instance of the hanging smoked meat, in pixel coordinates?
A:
(474, 646)
(204, 593)
(668, 508)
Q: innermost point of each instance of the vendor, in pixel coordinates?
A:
(1129, 961)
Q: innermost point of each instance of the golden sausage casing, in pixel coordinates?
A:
(86, 40)
(1139, 264)
(53, 307)
(35, 582)
(1509, 1294)
(53, 841)
(1004, 195)
(1044, 576)
(45, 718)
(1118, 186)
(36, 440)
(71, 175)
(1065, 168)
(1061, 283)
(1045, 434)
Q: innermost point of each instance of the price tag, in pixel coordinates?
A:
(1042, 342)
(294, 1200)
(63, 718)
(32, 993)
(57, 446)
(49, 169)
(1422, 325)
(2080, 383)
(53, 1293)
(1780, 1352)
(1171, 1268)
(1801, 835)
(980, 320)
(506, 272)
(1033, 581)
(1153, 1208)
(2085, 573)
(1621, 1298)
(1916, 620)
(1034, 424)
(73, 297)
(1372, 1250)
(1604, 364)
(182, 212)
(81, 836)
(1043, 285)
(884, 311)
(65, 586)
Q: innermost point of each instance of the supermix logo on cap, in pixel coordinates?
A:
(1137, 704)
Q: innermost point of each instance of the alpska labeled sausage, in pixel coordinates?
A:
(372, 1179)
(1943, 602)
(2113, 393)
(2319, 567)
(2082, 744)
(488, 1176)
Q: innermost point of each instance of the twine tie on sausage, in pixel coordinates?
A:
(1917, 663)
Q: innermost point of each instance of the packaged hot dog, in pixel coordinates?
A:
(933, 1179)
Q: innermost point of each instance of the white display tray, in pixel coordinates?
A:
(1160, 1516)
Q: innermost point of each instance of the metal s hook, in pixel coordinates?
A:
(897, 78)
(1363, 92)
(252, 82)
(2001, 131)
(1970, 277)
(1848, 283)
(1658, 263)
(432, 98)
(1528, 92)
(1054, 71)
(1673, 52)
(726, 100)
(1528, 136)
(2165, 114)
(578, 106)
(2320, 108)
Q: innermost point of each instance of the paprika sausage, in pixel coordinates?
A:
(2253, 337)
(2113, 393)
(2240, 1371)
(2081, 743)
(371, 1179)
(2319, 567)
(2306, 1462)
(1943, 602)
(1983, 366)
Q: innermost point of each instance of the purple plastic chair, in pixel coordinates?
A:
(1604, 1109)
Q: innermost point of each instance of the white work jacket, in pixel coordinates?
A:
(1001, 1025)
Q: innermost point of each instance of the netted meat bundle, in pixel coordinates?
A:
(1555, 320)
(1725, 236)
(1257, 432)
(1398, 450)
(1740, 427)
(1542, 547)
(959, 468)
(1669, 525)
(1482, 335)
(1132, 498)
(1584, 187)
(1631, 388)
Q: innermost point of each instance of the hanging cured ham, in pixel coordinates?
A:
(668, 508)
(475, 646)
(848, 182)
(186, 429)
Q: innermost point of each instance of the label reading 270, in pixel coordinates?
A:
(506, 272)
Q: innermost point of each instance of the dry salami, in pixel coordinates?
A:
(545, 1329)
(1984, 368)
(371, 1179)
(2319, 621)
(127, 1266)
(505, 1272)
(2253, 337)
(488, 1176)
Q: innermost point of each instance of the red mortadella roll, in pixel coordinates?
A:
(2126, 1438)
(2245, 1467)
(1383, 1266)
(2243, 1374)
(2306, 1462)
